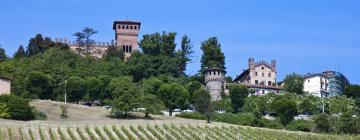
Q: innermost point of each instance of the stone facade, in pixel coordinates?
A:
(126, 37)
(215, 82)
(260, 76)
(5, 86)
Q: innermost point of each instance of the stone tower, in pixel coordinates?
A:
(126, 36)
(214, 81)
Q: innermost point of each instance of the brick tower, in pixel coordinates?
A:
(126, 36)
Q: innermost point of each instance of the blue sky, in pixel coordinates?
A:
(303, 36)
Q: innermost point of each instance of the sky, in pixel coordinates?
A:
(303, 36)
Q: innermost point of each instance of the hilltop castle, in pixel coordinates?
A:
(126, 37)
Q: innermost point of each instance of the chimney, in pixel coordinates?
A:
(273, 65)
(251, 63)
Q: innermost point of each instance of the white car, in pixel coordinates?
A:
(188, 110)
(176, 110)
(220, 111)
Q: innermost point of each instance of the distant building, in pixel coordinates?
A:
(325, 84)
(5, 86)
(215, 82)
(259, 77)
(126, 37)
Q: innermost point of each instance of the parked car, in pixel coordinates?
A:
(220, 111)
(188, 110)
(176, 110)
(301, 117)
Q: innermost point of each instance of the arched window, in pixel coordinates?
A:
(131, 27)
(123, 48)
(130, 48)
(135, 27)
(127, 48)
(123, 27)
(214, 72)
(127, 27)
(119, 27)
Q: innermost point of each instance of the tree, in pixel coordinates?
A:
(294, 83)
(83, 38)
(191, 88)
(309, 104)
(151, 103)
(20, 53)
(2, 54)
(349, 124)
(34, 46)
(4, 111)
(352, 91)
(174, 96)
(18, 108)
(285, 108)
(114, 52)
(159, 44)
(39, 86)
(75, 88)
(151, 85)
(223, 104)
(322, 122)
(212, 55)
(238, 93)
(185, 53)
(202, 103)
(339, 104)
(125, 95)
(93, 88)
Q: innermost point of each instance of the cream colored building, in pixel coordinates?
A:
(260, 76)
(5, 86)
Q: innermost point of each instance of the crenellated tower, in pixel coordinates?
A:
(126, 36)
(215, 81)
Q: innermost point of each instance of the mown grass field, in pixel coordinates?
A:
(157, 132)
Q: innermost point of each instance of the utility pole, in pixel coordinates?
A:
(65, 91)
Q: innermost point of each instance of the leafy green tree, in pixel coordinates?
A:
(352, 91)
(83, 38)
(114, 52)
(228, 79)
(174, 96)
(339, 104)
(4, 111)
(191, 88)
(2, 54)
(309, 104)
(322, 122)
(294, 83)
(125, 95)
(20, 53)
(75, 88)
(285, 108)
(185, 53)
(238, 94)
(223, 104)
(203, 103)
(34, 46)
(18, 108)
(212, 55)
(151, 103)
(159, 44)
(93, 88)
(39, 86)
(151, 85)
(349, 124)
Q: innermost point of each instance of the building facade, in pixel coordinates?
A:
(325, 84)
(126, 38)
(5, 86)
(260, 77)
(215, 82)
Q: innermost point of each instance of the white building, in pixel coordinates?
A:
(5, 86)
(325, 84)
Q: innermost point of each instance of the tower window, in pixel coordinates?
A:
(135, 27)
(130, 48)
(123, 27)
(262, 67)
(131, 27)
(119, 27)
(123, 48)
(127, 27)
(214, 72)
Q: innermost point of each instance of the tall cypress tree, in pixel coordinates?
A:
(20, 53)
(212, 55)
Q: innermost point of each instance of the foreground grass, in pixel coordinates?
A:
(169, 131)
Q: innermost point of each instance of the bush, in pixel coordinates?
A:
(300, 125)
(39, 115)
(247, 119)
(19, 108)
(273, 124)
(322, 123)
(195, 115)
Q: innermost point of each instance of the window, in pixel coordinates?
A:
(262, 74)
(262, 68)
(263, 91)
(123, 48)
(130, 48)
(269, 83)
(269, 74)
(127, 27)
(256, 74)
(256, 82)
(135, 27)
(131, 27)
(119, 27)
(126, 48)
(123, 27)
(214, 72)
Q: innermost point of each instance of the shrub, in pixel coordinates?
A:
(322, 123)
(195, 115)
(19, 108)
(64, 111)
(300, 125)
(273, 124)
(39, 115)
(349, 124)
